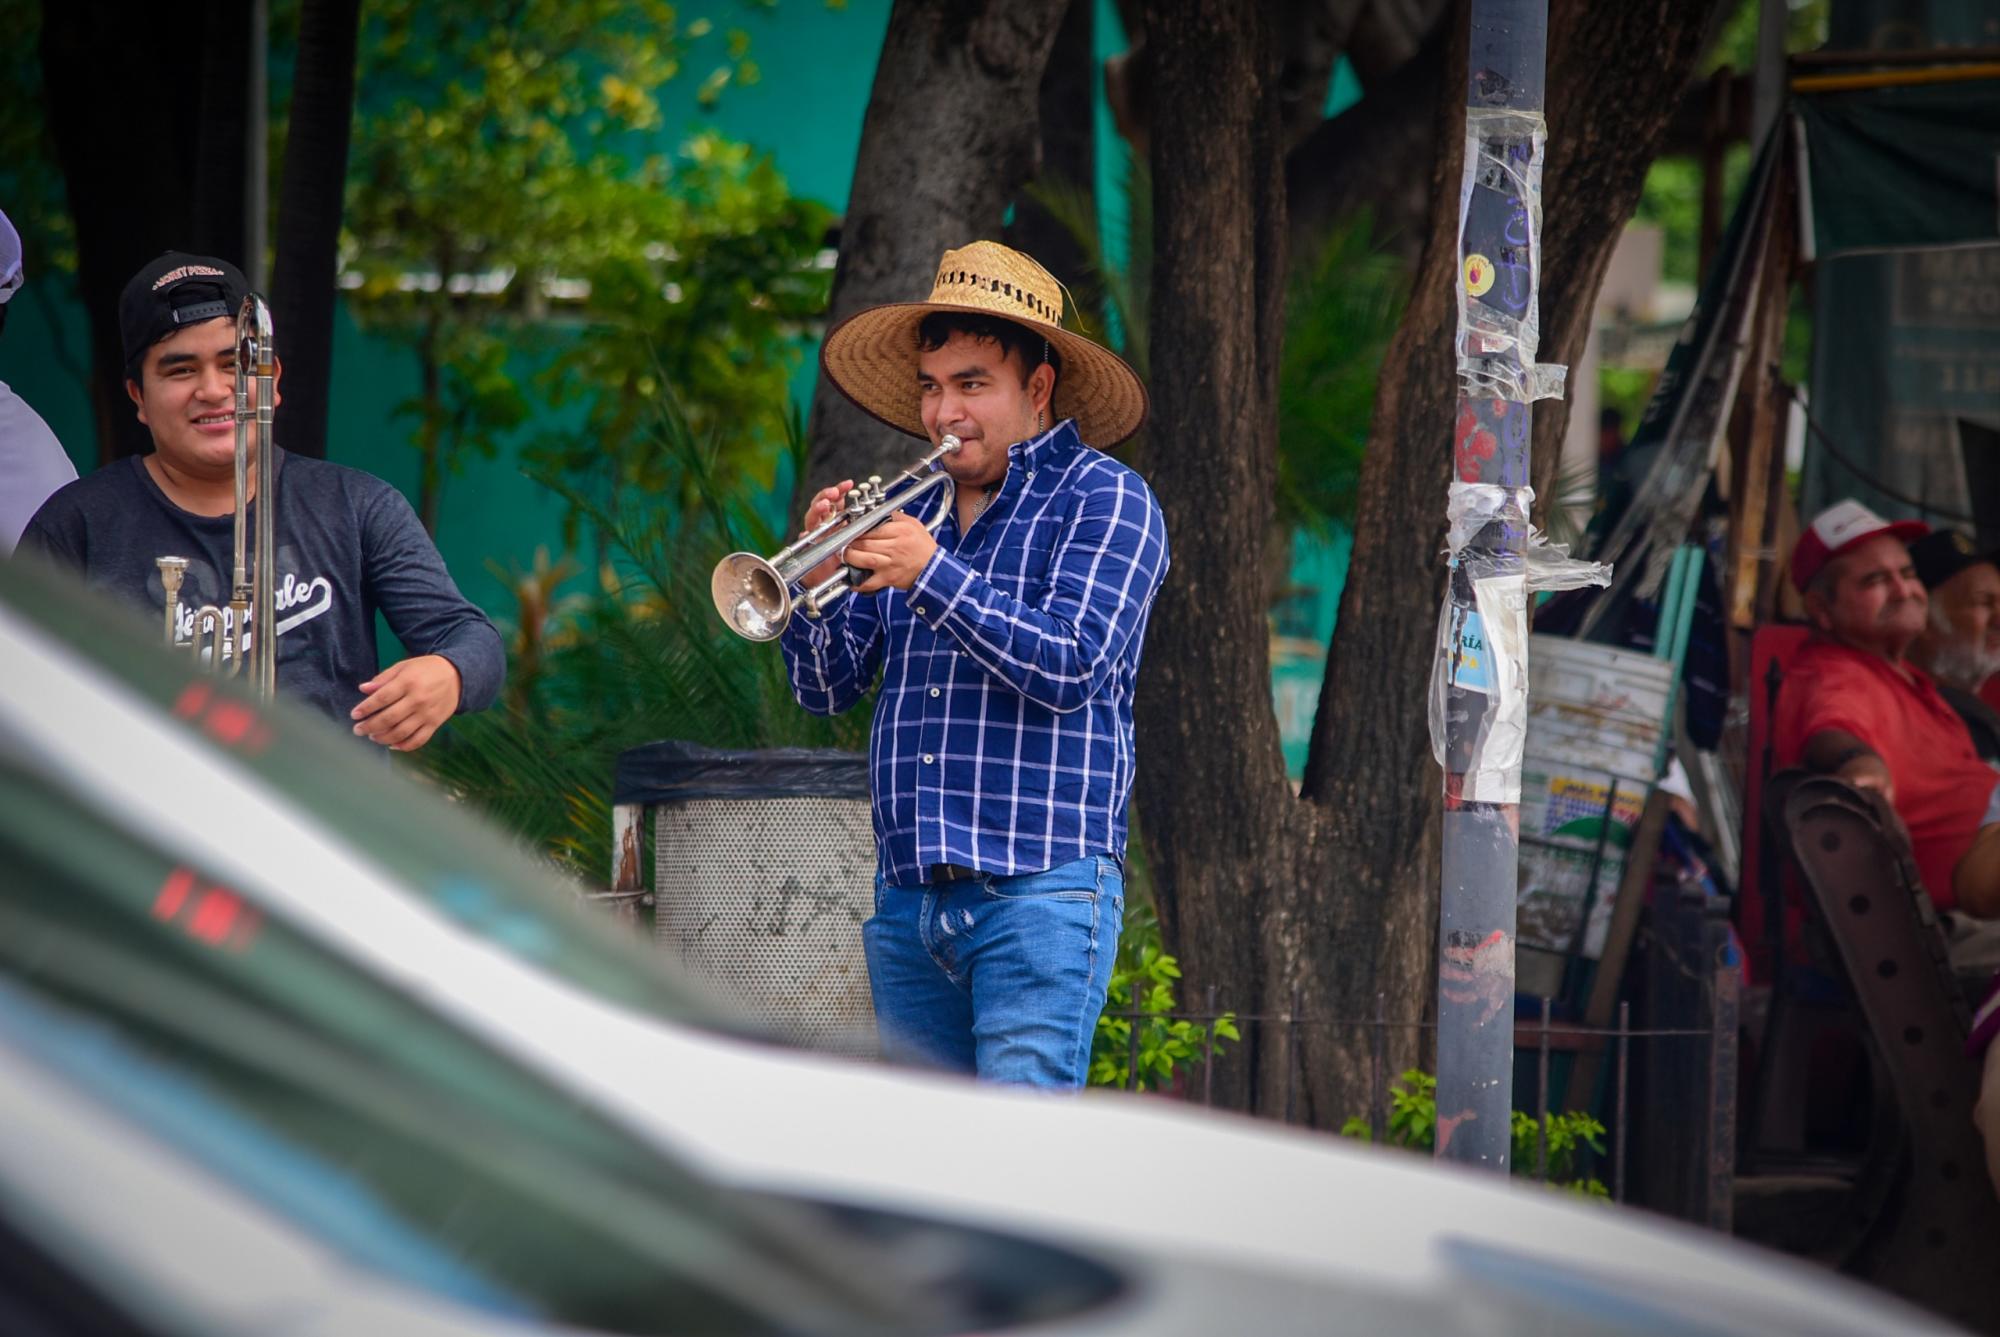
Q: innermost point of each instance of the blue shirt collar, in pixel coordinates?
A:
(1058, 440)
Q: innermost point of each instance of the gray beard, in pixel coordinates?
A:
(1964, 666)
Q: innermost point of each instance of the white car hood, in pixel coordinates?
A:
(1134, 1176)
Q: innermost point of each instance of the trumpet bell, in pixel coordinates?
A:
(754, 594)
(751, 596)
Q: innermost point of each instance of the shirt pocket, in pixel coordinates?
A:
(1025, 562)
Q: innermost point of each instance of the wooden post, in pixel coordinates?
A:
(1640, 857)
(1761, 457)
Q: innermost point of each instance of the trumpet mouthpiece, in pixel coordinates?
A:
(949, 444)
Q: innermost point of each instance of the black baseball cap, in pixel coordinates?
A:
(173, 292)
(1943, 553)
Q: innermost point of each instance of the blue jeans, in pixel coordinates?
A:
(998, 976)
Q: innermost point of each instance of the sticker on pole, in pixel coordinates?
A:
(1468, 664)
(1478, 275)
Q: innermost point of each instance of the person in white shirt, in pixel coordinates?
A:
(32, 462)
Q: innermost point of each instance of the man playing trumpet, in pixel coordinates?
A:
(1001, 757)
(347, 544)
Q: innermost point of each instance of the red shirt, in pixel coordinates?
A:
(1989, 691)
(1942, 787)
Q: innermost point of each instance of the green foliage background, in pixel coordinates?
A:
(1413, 1126)
(1138, 1029)
(640, 657)
(511, 221)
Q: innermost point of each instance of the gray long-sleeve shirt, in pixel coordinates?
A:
(348, 545)
(32, 466)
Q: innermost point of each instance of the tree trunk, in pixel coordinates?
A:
(219, 222)
(950, 136)
(1389, 34)
(1225, 849)
(171, 180)
(1312, 37)
(1323, 900)
(128, 193)
(1381, 152)
(1378, 154)
(1618, 103)
(1068, 127)
(1314, 34)
(310, 197)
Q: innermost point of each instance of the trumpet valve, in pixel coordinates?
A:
(173, 570)
(866, 496)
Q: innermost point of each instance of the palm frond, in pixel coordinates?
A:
(641, 658)
(1345, 302)
(1571, 504)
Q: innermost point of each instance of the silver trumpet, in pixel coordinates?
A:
(253, 589)
(755, 595)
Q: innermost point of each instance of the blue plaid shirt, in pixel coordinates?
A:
(1002, 737)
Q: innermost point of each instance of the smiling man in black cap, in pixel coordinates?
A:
(348, 544)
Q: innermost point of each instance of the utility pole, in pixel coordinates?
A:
(1480, 694)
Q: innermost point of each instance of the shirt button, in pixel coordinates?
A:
(934, 691)
(921, 610)
(928, 759)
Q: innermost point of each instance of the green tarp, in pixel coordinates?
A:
(1891, 168)
(1903, 197)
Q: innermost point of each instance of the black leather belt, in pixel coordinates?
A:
(953, 872)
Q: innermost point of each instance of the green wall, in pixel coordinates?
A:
(44, 357)
(1301, 629)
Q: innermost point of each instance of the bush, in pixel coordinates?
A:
(1168, 1048)
(1413, 1124)
(641, 656)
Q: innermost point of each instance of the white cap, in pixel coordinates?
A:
(1839, 528)
(11, 275)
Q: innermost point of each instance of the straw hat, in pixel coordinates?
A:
(872, 355)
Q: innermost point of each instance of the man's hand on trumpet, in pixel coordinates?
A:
(895, 553)
(824, 503)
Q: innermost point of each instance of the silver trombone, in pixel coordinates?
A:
(253, 587)
(754, 594)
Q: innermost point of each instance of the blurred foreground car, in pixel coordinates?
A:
(289, 1046)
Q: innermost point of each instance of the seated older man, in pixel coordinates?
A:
(1855, 705)
(1960, 645)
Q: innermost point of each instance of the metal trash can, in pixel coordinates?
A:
(763, 873)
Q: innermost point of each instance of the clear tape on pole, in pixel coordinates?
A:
(1496, 350)
(1483, 649)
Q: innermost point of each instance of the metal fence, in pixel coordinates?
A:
(1545, 1036)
